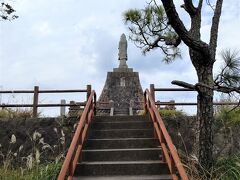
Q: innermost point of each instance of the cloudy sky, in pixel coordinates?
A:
(67, 44)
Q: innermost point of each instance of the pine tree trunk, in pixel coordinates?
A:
(205, 117)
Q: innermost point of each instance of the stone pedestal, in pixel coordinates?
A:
(123, 87)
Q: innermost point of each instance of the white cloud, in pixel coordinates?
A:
(42, 29)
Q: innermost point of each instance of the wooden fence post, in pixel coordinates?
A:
(89, 89)
(35, 101)
(152, 91)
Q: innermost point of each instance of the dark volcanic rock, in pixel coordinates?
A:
(24, 129)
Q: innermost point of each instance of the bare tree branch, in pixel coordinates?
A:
(189, 7)
(214, 28)
(200, 5)
(225, 89)
(197, 87)
(235, 107)
(210, 5)
(183, 84)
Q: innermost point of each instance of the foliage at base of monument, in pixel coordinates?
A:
(9, 113)
(228, 116)
(171, 113)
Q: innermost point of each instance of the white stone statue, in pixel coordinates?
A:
(122, 55)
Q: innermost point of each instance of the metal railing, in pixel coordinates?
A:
(170, 155)
(173, 103)
(79, 137)
(36, 93)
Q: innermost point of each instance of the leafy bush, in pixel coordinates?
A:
(50, 171)
(227, 116)
(15, 113)
(171, 113)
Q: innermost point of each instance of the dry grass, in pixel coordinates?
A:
(13, 165)
(10, 113)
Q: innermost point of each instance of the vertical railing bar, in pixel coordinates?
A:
(89, 89)
(152, 91)
(35, 101)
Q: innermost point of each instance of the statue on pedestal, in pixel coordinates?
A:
(122, 55)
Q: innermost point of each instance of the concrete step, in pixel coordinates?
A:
(121, 112)
(119, 118)
(139, 177)
(121, 133)
(121, 143)
(121, 168)
(122, 125)
(121, 154)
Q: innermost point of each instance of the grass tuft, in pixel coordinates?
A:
(15, 113)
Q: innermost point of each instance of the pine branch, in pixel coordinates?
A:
(181, 30)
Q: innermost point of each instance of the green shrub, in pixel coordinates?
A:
(15, 113)
(50, 171)
(171, 113)
(229, 117)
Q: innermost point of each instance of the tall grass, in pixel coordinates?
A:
(39, 164)
(228, 168)
(48, 171)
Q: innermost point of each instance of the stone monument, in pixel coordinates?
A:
(122, 87)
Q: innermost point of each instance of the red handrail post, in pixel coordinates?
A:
(95, 104)
(35, 101)
(75, 149)
(152, 91)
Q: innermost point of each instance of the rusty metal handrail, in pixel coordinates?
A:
(36, 93)
(43, 91)
(79, 137)
(194, 104)
(170, 154)
(40, 105)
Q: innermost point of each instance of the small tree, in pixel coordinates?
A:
(159, 26)
(7, 12)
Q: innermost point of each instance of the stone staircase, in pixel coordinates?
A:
(121, 147)
(121, 112)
